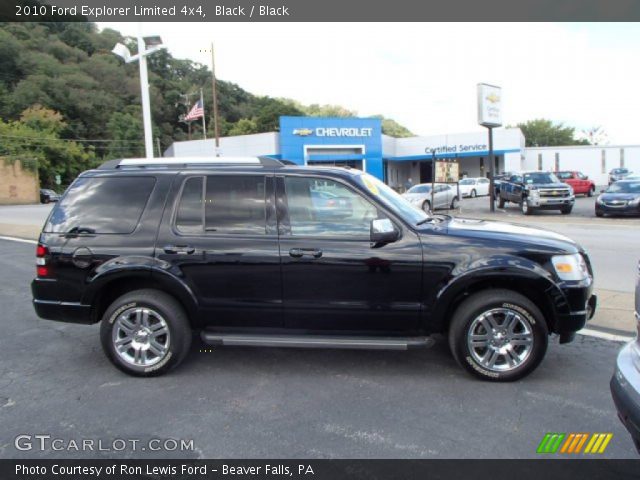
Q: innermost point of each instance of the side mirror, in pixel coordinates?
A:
(602, 190)
(383, 231)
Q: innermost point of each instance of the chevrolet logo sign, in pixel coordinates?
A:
(303, 132)
(493, 98)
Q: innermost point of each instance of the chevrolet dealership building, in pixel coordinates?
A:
(360, 143)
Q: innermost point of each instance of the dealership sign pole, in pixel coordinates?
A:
(490, 116)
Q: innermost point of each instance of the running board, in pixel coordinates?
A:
(316, 341)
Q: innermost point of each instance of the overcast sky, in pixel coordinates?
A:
(424, 75)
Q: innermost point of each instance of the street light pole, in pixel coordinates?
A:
(492, 162)
(144, 94)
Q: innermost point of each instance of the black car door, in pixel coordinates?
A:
(334, 278)
(221, 239)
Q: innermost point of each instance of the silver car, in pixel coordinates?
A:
(625, 384)
(444, 196)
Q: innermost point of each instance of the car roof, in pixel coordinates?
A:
(240, 164)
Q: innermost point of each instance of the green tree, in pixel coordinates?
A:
(244, 126)
(544, 133)
(126, 133)
(394, 129)
(268, 120)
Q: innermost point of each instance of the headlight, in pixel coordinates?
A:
(570, 267)
(599, 200)
(534, 193)
(635, 201)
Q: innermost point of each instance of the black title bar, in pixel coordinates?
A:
(318, 10)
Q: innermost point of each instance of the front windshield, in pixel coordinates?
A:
(624, 187)
(540, 177)
(392, 199)
(420, 189)
(467, 181)
(620, 170)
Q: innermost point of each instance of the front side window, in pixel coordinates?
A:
(222, 204)
(323, 207)
(101, 205)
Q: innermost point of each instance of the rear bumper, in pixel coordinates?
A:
(72, 312)
(625, 390)
(63, 311)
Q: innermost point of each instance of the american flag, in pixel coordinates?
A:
(196, 112)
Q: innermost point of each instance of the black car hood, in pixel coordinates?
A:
(512, 232)
(607, 197)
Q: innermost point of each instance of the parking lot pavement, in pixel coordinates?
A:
(257, 403)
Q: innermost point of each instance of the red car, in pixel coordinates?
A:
(578, 181)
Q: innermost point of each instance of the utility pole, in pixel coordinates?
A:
(215, 103)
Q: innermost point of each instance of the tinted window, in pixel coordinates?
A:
(564, 175)
(189, 215)
(420, 189)
(343, 212)
(104, 205)
(540, 177)
(235, 204)
(624, 187)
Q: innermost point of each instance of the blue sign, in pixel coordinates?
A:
(317, 140)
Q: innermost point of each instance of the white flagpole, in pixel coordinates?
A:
(204, 124)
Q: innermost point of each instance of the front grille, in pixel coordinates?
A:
(554, 192)
(616, 203)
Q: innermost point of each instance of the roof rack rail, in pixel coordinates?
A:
(192, 161)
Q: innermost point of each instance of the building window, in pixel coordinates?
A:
(604, 161)
(622, 157)
(482, 166)
(557, 162)
(539, 161)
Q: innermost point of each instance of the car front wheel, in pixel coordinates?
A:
(426, 206)
(498, 335)
(145, 333)
(526, 209)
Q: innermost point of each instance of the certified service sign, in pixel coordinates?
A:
(489, 105)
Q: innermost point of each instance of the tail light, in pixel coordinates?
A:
(42, 259)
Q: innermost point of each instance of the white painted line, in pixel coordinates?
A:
(605, 335)
(16, 239)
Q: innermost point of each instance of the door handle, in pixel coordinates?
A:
(179, 249)
(300, 252)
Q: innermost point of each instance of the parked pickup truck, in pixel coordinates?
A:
(536, 191)
(580, 183)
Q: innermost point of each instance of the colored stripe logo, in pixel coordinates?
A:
(573, 443)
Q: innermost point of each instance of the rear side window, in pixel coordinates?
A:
(102, 205)
(227, 204)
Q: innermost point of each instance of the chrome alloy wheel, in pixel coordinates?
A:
(500, 339)
(141, 337)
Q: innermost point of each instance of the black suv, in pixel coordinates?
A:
(253, 251)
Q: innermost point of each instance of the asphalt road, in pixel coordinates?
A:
(256, 403)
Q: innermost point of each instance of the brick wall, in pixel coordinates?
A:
(17, 184)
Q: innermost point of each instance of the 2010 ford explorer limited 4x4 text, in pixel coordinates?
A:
(253, 251)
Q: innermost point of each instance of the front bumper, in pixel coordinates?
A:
(550, 203)
(575, 304)
(630, 210)
(625, 390)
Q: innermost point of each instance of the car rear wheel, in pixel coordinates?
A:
(501, 202)
(591, 192)
(426, 206)
(473, 194)
(454, 203)
(498, 335)
(145, 333)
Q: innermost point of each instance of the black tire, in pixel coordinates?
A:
(454, 203)
(472, 308)
(566, 210)
(426, 206)
(178, 340)
(501, 202)
(591, 192)
(525, 208)
(599, 214)
(473, 194)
